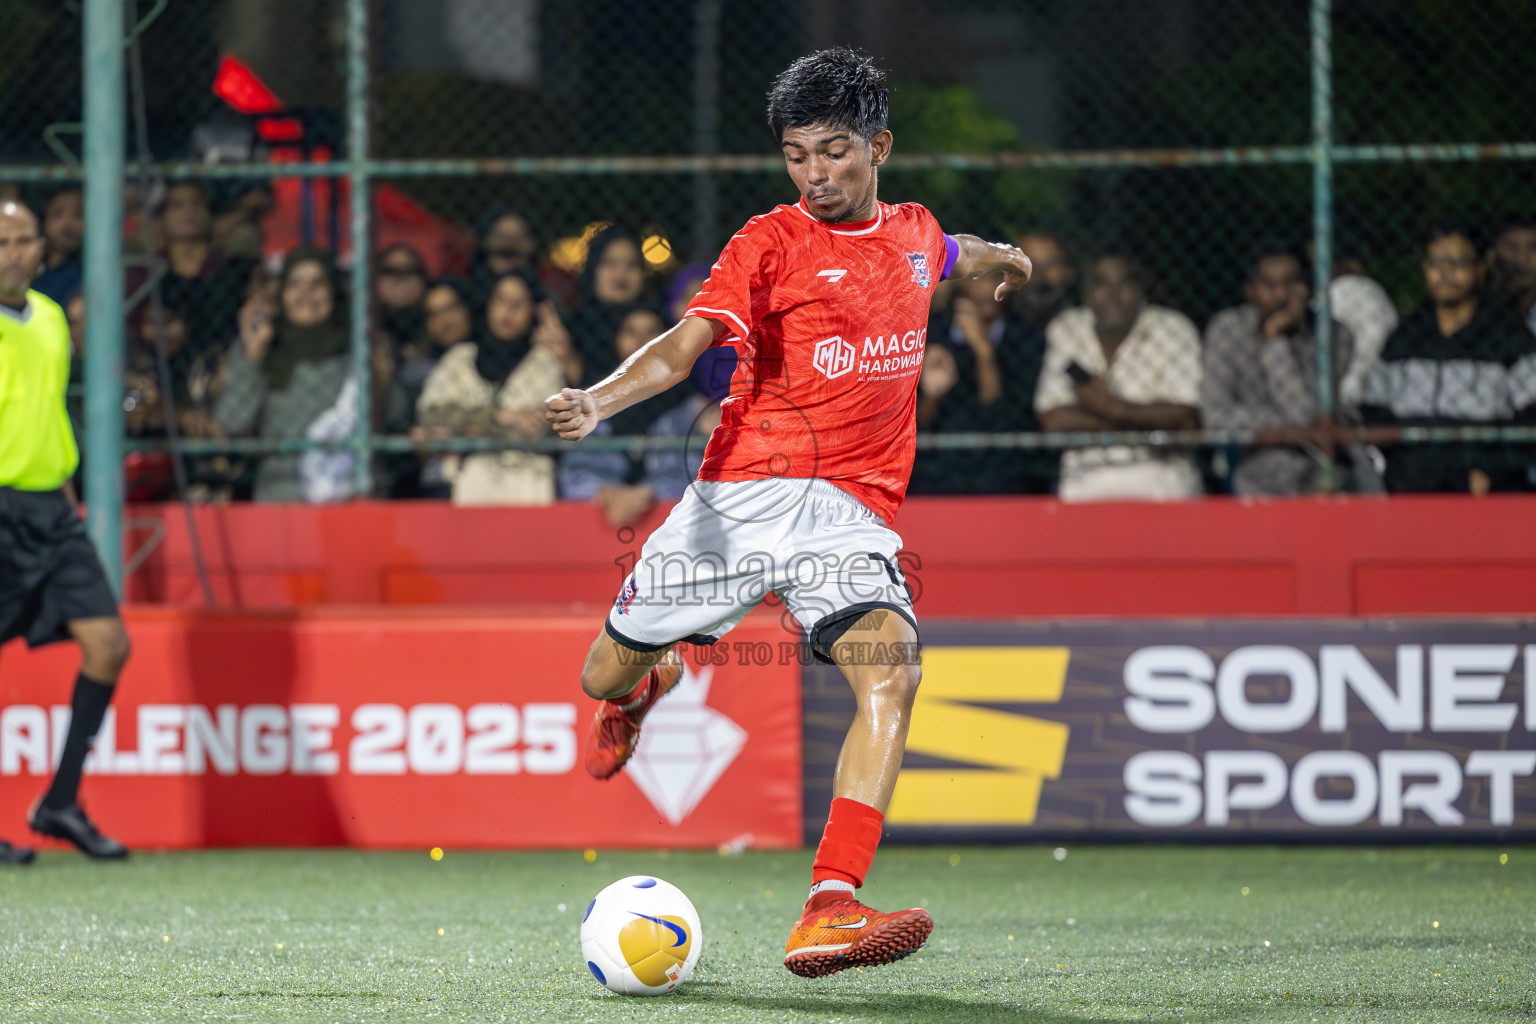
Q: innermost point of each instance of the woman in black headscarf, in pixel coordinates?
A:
(400, 284)
(290, 368)
(495, 386)
(612, 284)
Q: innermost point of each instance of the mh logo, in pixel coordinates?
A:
(1006, 756)
(834, 356)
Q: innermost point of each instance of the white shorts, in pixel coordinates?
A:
(729, 543)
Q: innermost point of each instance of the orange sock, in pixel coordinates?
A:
(847, 846)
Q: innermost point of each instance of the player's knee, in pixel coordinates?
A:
(106, 650)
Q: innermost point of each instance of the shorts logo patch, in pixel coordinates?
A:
(919, 261)
(626, 595)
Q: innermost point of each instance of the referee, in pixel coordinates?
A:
(52, 586)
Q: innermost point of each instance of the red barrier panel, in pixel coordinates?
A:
(980, 557)
(393, 728)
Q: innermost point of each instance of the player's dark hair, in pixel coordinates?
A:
(1454, 227)
(837, 88)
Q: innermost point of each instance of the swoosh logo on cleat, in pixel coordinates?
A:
(860, 923)
(681, 935)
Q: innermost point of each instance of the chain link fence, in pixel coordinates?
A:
(1195, 154)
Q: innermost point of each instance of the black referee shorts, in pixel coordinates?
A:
(49, 572)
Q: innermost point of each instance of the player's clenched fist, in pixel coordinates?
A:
(572, 413)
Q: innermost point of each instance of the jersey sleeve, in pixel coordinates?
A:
(951, 255)
(745, 269)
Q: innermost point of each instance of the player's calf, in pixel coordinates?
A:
(615, 730)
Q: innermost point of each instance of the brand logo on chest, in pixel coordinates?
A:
(833, 357)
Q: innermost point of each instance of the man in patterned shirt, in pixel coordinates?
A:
(826, 302)
(1121, 364)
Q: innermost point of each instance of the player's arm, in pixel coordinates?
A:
(661, 363)
(977, 256)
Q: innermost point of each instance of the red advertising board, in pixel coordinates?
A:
(383, 728)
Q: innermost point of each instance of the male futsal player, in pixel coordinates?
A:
(52, 586)
(827, 304)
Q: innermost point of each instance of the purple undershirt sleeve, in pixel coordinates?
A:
(951, 254)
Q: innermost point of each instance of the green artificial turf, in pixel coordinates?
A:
(1108, 934)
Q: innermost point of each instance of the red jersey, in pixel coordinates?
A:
(829, 322)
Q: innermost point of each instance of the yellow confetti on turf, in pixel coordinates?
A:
(1434, 924)
(1245, 890)
(437, 853)
(1062, 966)
(954, 860)
(279, 945)
(1503, 858)
(767, 894)
(1010, 938)
(590, 856)
(557, 943)
(167, 938)
(439, 931)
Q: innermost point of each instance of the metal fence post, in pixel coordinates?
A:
(105, 137)
(1322, 197)
(357, 179)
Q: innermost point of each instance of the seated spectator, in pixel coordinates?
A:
(686, 283)
(64, 231)
(448, 306)
(290, 376)
(626, 486)
(496, 388)
(1512, 261)
(200, 281)
(1260, 372)
(505, 245)
(1048, 292)
(713, 370)
(1362, 305)
(1121, 364)
(612, 283)
(237, 229)
(1457, 361)
(980, 367)
(399, 285)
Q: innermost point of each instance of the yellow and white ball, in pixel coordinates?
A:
(641, 937)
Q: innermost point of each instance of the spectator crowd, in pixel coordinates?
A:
(242, 349)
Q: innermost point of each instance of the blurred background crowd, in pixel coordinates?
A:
(259, 348)
(1153, 163)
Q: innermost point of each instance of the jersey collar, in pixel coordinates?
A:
(22, 315)
(863, 227)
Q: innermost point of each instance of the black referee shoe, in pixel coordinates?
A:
(15, 854)
(71, 824)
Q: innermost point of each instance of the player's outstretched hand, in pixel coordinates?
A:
(572, 413)
(1015, 272)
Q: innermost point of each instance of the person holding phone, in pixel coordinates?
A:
(1121, 364)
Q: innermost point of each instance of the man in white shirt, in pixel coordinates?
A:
(1121, 364)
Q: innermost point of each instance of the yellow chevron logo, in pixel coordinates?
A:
(1015, 754)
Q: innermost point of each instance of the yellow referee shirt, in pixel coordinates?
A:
(37, 444)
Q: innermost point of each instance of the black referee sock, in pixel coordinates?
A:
(87, 709)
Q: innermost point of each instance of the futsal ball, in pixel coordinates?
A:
(641, 937)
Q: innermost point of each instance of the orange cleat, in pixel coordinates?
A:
(847, 934)
(614, 733)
